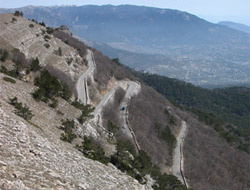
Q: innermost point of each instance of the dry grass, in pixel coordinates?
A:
(146, 110)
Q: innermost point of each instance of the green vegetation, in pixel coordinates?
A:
(67, 127)
(18, 58)
(13, 20)
(86, 111)
(31, 25)
(112, 128)
(166, 135)
(50, 87)
(211, 106)
(172, 118)
(58, 51)
(92, 151)
(46, 45)
(11, 73)
(231, 104)
(54, 103)
(49, 30)
(20, 110)
(18, 13)
(139, 165)
(42, 24)
(8, 79)
(46, 37)
(35, 66)
(69, 60)
(3, 55)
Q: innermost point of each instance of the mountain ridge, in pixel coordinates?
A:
(189, 48)
(153, 119)
(236, 26)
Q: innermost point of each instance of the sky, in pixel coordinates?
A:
(211, 10)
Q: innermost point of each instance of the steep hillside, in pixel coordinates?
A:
(236, 26)
(163, 26)
(127, 125)
(184, 45)
(34, 157)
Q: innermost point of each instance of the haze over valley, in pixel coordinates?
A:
(123, 97)
(163, 41)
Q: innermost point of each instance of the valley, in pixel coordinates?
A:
(167, 42)
(72, 118)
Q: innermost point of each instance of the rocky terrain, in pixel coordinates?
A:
(35, 158)
(32, 154)
(33, 151)
(163, 41)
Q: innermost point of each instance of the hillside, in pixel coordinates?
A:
(236, 26)
(125, 136)
(164, 26)
(179, 44)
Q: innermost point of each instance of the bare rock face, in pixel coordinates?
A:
(32, 159)
(35, 41)
(65, 29)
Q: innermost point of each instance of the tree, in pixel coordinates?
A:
(18, 13)
(112, 128)
(4, 54)
(67, 127)
(35, 66)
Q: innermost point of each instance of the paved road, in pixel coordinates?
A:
(81, 85)
(178, 154)
(132, 89)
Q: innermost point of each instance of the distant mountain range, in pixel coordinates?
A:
(135, 25)
(163, 41)
(236, 26)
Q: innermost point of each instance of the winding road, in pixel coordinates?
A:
(178, 162)
(81, 85)
(131, 88)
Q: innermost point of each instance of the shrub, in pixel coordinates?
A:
(46, 37)
(9, 80)
(42, 24)
(67, 127)
(49, 30)
(69, 60)
(34, 66)
(58, 51)
(49, 85)
(46, 45)
(91, 151)
(166, 135)
(31, 25)
(18, 13)
(4, 54)
(71, 41)
(54, 103)
(22, 111)
(66, 93)
(86, 110)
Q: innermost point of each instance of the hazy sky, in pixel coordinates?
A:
(212, 10)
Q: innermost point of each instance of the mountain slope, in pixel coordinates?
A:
(128, 24)
(152, 118)
(236, 26)
(189, 48)
(37, 153)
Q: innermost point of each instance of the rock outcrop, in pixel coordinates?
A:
(31, 158)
